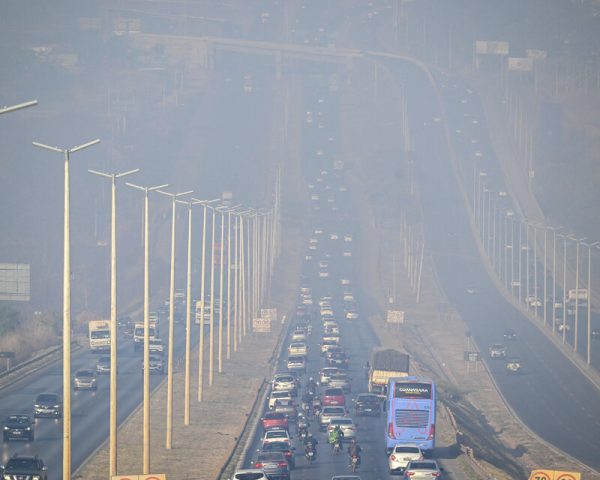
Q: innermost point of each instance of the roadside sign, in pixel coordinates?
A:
(558, 475)
(154, 476)
(395, 316)
(7, 354)
(261, 325)
(542, 475)
(471, 356)
(554, 475)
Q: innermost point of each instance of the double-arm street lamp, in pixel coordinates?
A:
(66, 303)
(146, 406)
(113, 317)
(169, 433)
(20, 106)
(205, 204)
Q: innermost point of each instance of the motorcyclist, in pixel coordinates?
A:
(311, 385)
(354, 450)
(316, 406)
(335, 436)
(311, 441)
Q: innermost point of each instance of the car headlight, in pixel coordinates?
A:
(56, 406)
(36, 477)
(28, 428)
(6, 477)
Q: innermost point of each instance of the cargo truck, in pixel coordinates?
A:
(386, 363)
(99, 334)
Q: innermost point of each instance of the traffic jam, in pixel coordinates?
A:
(323, 417)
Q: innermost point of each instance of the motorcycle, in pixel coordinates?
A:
(302, 432)
(310, 454)
(354, 463)
(336, 446)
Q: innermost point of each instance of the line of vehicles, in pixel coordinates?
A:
(21, 426)
(321, 390)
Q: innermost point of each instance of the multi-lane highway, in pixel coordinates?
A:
(551, 396)
(331, 241)
(90, 409)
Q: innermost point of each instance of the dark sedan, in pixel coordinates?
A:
(273, 464)
(17, 427)
(47, 405)
(283, 447)
(367, 404)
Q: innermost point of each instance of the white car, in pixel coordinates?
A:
(326, 373)
(345, 281)
(347, 238)
(333, 236)
(276, 435)
(250, 474)
(325, 302)
(323, 264)
(323, 274)
(402, 454)
(279, 395)
(332, 329)
(284, 381)
(326, 312)
(298, 348)
(351, 315)
(346, 424)
(347, 253)
(298, 336)
(329, 412)
(348, 297)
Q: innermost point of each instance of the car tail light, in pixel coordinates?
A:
(409, 474)
(431, 432)
(435, 474)
(288, 454)
(282, 464)
(258, 465)
(391, 430)
(393, 458)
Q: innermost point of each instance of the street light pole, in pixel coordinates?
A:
(589, 301)
(66, 303)
(146, 405)
(205, 205)
(112, 454)
(169, 433)
(576, 331)
(12, 108)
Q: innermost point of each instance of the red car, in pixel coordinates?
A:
(333, 396)
(275, 420)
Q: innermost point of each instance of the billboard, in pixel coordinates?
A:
(520, 64)
(483, 47)
(536, 54)
(15, 282)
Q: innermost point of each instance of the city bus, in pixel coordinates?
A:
(410, 412)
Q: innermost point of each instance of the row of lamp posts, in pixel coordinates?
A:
(506, 239)
(255, 240)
